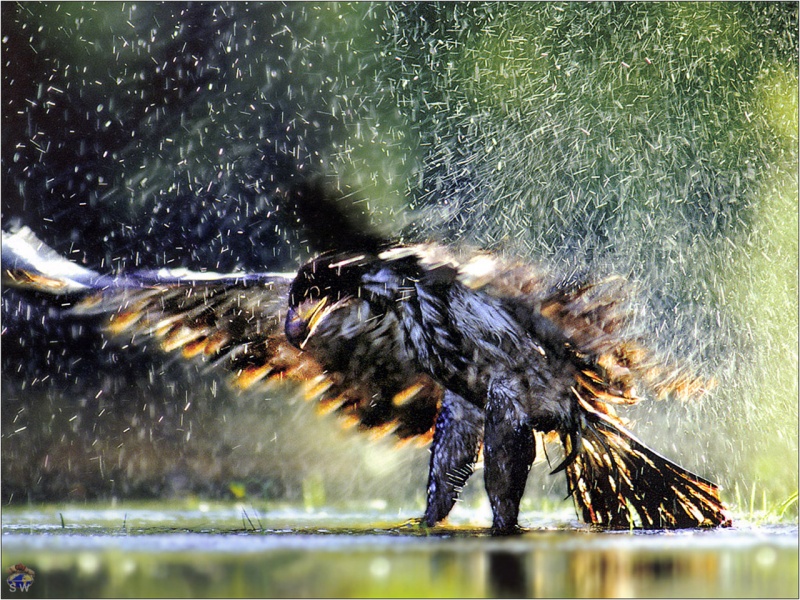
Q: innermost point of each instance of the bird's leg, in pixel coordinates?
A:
(456, 439)
(509, 450)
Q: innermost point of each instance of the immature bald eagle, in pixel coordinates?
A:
(477, 352)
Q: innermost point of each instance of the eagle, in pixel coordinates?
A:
(474, 353)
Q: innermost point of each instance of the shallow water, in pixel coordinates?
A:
(238, 550)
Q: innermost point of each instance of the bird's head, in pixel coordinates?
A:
(364, 284)
(322, 288)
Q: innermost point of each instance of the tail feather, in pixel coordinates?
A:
(618, 482)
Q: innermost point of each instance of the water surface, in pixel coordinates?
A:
(224, 550)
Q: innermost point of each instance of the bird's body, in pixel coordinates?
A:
(514, 354)
(479, 351)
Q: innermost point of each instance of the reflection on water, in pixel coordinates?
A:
(507, 576)
(169, 554)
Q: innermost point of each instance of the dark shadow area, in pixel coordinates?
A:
(507, 575)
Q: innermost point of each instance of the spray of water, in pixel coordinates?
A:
(656, 140)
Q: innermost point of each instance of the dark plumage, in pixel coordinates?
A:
(479, 352)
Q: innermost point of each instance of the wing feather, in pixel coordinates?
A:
(237, 323)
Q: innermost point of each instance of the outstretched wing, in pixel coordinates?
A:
(235, 322)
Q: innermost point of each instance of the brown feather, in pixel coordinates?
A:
(241, 329)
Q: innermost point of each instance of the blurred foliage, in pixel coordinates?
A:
(655, 140)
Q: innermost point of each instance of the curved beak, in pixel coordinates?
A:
(301, 320)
